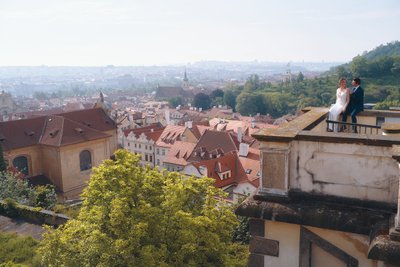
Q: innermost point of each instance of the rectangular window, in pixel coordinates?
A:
(151, 158)
(158, 151)
(140, 146)
(146, 158)
(145, 147)
(135, 145)
(163, 152)
(158, 162)
(150, 148)
(129, 144)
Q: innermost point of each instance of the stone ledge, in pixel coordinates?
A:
(340, 217)
(32, 215)
(289, 131)
(384, 249)
(348, 138)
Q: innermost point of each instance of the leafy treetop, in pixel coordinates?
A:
(138, 216)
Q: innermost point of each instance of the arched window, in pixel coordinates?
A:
(85, 159)
(21, 163)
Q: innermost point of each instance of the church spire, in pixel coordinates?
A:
(185, 80)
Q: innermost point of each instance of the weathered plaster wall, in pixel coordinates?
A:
(34, 158)
(52, 165)
(288, 236)
(72, 177)
(348, 170)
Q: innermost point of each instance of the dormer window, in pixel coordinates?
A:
(225, 175)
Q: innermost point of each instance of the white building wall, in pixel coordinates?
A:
(288, 236)
(160, 153)
(141, 146)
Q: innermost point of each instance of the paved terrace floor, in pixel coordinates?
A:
(20, 227)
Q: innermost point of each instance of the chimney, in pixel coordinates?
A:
(167, 118)
(239, 134)
(243, 149)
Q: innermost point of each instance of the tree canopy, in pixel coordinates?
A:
(201, 100)
(175, 101)
(137, 216)
(19, 191)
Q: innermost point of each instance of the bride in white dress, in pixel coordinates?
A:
(342, 100)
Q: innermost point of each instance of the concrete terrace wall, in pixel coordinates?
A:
(350, 170)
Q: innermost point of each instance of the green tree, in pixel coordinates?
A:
(3, 164)
(18, 190)
(138, 216)
(250, 104)
(215, 102)
(300, 77)
(230, 99)
(18, 250)
(358, 66)
(202, 100)
(252, 83)
(175, 101)
(217, 93)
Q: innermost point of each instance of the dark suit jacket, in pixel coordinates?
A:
(356, 101)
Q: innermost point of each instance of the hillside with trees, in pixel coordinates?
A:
(379, 70)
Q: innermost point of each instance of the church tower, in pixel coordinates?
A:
(185, 81)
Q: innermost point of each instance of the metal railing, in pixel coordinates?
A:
(347, 127)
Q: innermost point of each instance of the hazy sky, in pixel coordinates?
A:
(147, 32)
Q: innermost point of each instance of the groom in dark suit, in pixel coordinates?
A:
(356, 103)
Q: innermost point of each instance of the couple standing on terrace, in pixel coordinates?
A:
(348, 102)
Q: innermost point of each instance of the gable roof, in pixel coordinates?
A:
(95, 118)
(147, 129)
(170, 134)
(179, 153)
(21, 133)
(55, 130)
(228, 162)
(213, 142)
(60, 131)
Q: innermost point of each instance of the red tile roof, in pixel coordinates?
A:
(251, 167)
(227, 162)
(170, 134)
(95, 118)
(60, 131)
(147, 129)
(213, 143)
(179, 153)
(55, 130)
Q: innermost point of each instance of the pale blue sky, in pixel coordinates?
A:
(147, 32)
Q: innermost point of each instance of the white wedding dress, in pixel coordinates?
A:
(337, 108)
